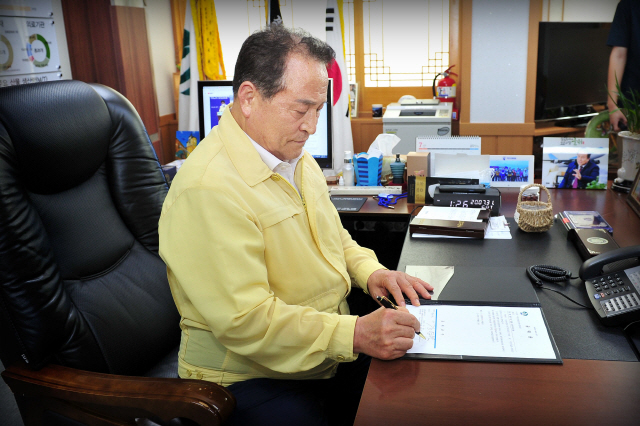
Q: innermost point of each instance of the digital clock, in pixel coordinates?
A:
(489, 200)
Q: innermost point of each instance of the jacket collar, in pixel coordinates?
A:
(241, 151)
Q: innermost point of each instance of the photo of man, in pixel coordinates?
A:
(580, 172)
(575, 163)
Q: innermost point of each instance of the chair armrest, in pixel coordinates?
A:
(124, 398)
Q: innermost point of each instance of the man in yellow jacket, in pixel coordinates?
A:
(258, 262)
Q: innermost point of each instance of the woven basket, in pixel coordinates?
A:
(534, 216)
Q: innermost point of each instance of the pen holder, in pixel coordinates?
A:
(368, 169)
(534, 216)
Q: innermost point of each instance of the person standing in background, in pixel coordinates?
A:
(624, 62)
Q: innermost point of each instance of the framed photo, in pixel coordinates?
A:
(353, 99)
(580, 163)
(634, 196)
(511, 170)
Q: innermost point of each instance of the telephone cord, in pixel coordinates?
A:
(554, 274)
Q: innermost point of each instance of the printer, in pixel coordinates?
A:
(410, 117)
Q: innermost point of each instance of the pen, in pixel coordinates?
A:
(390, 305)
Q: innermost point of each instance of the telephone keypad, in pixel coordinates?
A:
(615, 292)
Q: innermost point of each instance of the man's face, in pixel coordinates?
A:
(283, 124)
(583, 159)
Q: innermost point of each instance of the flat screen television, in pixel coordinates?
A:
(573, 61)
(215, 95)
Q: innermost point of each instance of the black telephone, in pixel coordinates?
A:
(612, 281)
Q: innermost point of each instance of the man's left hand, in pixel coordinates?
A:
(384, 282)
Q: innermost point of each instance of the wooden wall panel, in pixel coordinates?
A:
(365, 131)
(168, 127)
(109, 45)
(535, 16)
(178, 12)
(497, 129)
(507, 145)
(464, 88)
(91, 47)
(135, 61)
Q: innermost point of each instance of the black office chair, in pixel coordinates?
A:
(85, 307)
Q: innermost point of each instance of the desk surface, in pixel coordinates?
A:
(578, 392)
(371, 207)
(612, 206)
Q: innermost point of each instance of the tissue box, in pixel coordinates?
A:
(417, 161)
(368, 169)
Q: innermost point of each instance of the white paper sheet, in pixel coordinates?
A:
(498, 229)
(450, 213)
(437, 276)
(482, 331)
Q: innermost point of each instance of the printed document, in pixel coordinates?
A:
(450, 213)
(498, 229)
(482, 331)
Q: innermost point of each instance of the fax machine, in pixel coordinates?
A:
(410, 117)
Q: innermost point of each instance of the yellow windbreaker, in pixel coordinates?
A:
(259, 272)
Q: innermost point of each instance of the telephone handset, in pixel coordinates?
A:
(612, 281)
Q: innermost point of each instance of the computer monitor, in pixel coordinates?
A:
(215, 95)
(573, 62)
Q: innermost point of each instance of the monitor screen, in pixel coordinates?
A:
(573, 61)
(320, 144)
(215, 95)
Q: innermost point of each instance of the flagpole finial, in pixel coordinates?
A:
(274, 15)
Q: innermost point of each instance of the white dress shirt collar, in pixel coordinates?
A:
(284, 168)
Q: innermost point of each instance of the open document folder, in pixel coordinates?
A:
(479, 332)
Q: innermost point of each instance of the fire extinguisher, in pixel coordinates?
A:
(446, 89)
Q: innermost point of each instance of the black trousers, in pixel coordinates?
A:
(301, 402)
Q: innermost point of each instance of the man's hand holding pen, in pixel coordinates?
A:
(385, 333)
(388, 333)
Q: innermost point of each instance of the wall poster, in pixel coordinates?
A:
(28, 43)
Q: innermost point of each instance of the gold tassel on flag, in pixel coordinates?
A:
(210, 62)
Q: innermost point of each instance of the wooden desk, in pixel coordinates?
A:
(559, 131)
(580, 392)
(379, 228)
(371, 207)
(610, 204)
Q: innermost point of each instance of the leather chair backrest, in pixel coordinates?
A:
(81, 190)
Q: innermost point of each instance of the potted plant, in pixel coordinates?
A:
(630, 152)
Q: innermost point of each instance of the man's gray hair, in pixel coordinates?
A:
(263, 57)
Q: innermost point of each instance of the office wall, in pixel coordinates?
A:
(579, 10)
(159, 29)
(497, 115)
(234, 27)
(498, 61)
(495, 108)
(499, 58)
(495, 83)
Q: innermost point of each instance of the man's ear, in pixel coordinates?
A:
(247, 94)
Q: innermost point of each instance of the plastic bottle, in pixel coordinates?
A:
(347, 170)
